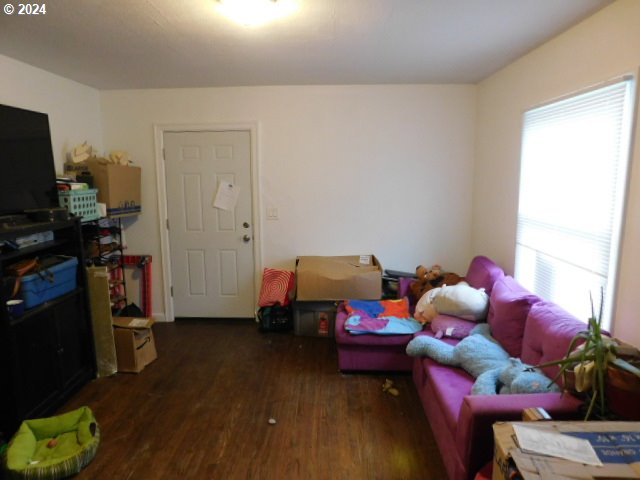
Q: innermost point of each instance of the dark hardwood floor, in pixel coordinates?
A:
(201, 411)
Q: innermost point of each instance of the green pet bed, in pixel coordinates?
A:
(54, 447)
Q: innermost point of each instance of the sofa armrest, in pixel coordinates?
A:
(404, 290)
(478, 413)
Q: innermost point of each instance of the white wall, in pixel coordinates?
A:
(73, 108)
(602, 47)
(351, 169)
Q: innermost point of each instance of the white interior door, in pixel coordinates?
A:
(211, 248)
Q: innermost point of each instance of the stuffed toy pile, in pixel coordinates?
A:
(429, 278)
(461, 301)
(482, 357)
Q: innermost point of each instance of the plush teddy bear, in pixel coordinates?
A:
(429, 278)
(483, 358)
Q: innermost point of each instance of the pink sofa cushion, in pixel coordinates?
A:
(454, 327)
(509, 306)
(483, 273)
(547, 335)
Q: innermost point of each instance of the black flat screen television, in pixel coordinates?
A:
(27, 169)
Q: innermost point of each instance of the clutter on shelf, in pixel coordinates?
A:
(116, 180)
(104, 246)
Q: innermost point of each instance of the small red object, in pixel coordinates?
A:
(323, 324)
(52, 443)
(143, 262)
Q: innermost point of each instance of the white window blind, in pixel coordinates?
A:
(572, 186)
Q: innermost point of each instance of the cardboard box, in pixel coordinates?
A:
(100, 303)
(616, 443)
(118, 187)
(314, 319)
(74, 169)
(135, 345)
(339, 278)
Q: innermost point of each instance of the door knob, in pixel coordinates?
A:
(246, 238)
(245, 225)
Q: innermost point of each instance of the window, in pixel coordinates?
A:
(572, 186)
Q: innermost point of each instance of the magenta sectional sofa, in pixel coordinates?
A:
(370, 352)
(527, 327)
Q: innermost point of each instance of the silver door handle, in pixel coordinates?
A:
(246, 239)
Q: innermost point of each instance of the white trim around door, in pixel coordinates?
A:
(159, 130)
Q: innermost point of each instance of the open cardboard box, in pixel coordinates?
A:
(338, 278)
(118, 186)
(617, 445)
(135, 345)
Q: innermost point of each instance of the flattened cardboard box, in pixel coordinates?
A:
(617, 445)
(135, 345)
(338, 278)
(104, 343)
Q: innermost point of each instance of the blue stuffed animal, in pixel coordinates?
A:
(482, 357)
(518, 377)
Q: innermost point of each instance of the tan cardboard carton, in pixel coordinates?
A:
(72, 169)
(617, 445)
(338, 278)
(135, 345)
(118, 186)
(104, 343)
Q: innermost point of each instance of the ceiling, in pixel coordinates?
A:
(122, 44)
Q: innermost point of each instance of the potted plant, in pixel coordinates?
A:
(602, 369)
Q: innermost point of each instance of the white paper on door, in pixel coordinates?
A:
(227, 196)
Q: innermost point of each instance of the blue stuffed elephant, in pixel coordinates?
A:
(482, 357)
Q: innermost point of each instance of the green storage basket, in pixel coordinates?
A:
(81, 203)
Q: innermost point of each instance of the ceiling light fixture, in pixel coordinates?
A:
(256, 12)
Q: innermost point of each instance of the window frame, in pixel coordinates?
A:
(621, 190)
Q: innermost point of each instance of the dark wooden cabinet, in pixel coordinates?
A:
(47, 353)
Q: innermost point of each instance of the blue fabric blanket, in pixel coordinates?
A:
(374, 317)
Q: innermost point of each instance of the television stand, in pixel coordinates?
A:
(15, 220)
(46, 353)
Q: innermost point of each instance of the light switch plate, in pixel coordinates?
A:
(272, 213)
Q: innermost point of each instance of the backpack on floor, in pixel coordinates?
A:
(275, 318)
